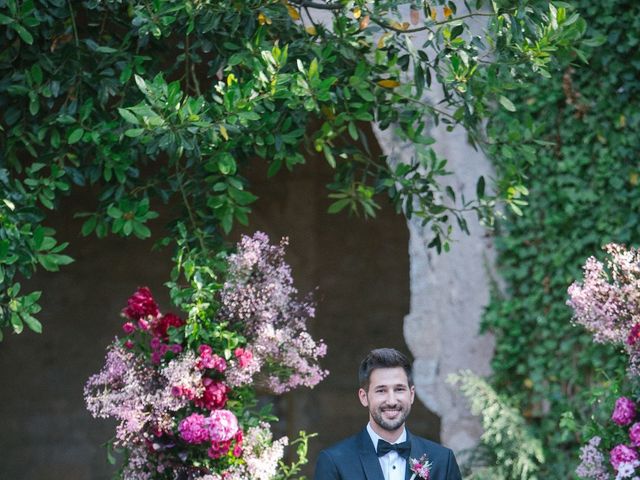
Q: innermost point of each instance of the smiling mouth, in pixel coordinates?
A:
(393, 412)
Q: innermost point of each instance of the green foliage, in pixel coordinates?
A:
(510, 450)
(302, 447)
(169, 101)
(578, 145)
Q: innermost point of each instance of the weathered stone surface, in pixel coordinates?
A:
(448, 294)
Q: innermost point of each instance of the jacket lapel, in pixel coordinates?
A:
(415, 453)
(368, 457)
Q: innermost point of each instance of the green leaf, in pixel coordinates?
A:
(114, 212)
(4, 249)
(134, 132)
(507, 104)
(75, 136)
(328, 154)
(103, 49)
(242, 197)
(36, 73)
(128, 116)
(89, 225)
(353, 131)
(16, 322)
(52, 261)
(480, 186)
(141, 231)
(32, 322)
(226, 164)
(335, 207)
(23, 32)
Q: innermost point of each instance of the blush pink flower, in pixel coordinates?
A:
(244, 357)
(624, 411)
(622, 454)
(222, 425)
(141, 304)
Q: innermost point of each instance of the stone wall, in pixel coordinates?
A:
(448, 294)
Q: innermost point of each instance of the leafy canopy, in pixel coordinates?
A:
(168, 101)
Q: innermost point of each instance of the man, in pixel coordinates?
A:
(383, 449)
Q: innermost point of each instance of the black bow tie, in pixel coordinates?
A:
(403, 449)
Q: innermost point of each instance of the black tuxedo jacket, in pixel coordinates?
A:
(355, 459)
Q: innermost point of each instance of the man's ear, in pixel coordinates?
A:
(362, 395)
(413, 393)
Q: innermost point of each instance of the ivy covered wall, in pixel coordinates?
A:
(578, 154)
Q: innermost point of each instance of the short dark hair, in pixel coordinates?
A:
(383, 358)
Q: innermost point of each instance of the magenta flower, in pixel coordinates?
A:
(624, 411)
(622, 454)
(192, 429)
(210, 360)
(634, 434)
(129, 328)
(634, 335)
(141, 304)
(214, 396)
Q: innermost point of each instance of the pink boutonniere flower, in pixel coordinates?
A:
(420, 468)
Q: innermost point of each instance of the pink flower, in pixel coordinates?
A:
(624, 411)
(244, 357)
(634, 335)
(219, 449)
(141, 304)
(622, 454)
(237, 449)
(192, 429)
(214, 396)
(421, 468)
(143, 324)
(634, 434)
(222, 425)
(209, 360)
(128, 344)
(129, 328)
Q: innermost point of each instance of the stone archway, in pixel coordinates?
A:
(361, 269)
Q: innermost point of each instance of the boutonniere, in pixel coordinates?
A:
(420, 468)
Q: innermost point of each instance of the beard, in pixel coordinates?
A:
(390, 425)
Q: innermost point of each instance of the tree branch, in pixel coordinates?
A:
(318, 6)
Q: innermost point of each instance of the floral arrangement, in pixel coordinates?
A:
(420, 468)
(183, 391)
(607, 303)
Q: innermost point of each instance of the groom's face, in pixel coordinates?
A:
(388, 398)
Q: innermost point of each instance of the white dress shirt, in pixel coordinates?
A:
(393, 465)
